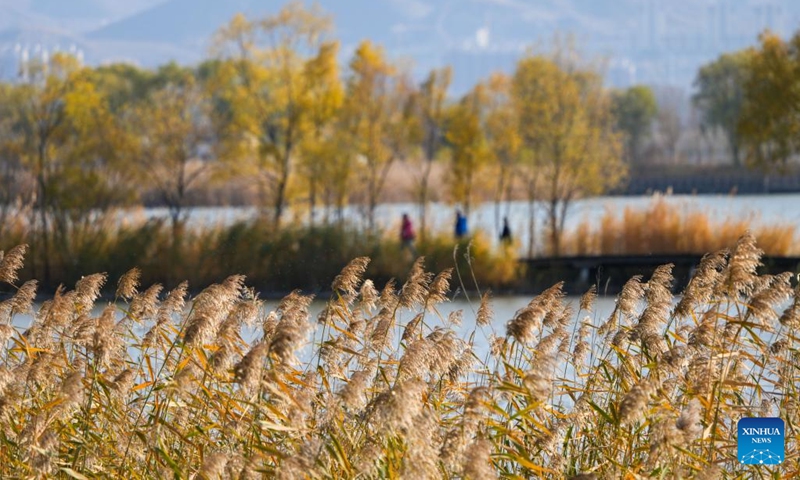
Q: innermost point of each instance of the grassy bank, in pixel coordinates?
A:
(163, 385)
(276, 262)
(273, 261)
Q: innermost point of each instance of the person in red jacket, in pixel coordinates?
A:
(407, 235)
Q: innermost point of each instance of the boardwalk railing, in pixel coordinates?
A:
(609, 273)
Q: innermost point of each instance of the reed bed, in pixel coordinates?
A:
(159, 385)
(273, 260)
(662, 228)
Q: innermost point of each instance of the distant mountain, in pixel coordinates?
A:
(192, 22)
(642, 41)
(39, 36)
(176, 21)
(78, 15)
(72, 9)
(14, 15)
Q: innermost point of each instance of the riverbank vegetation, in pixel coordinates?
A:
(305, 257)
(662, 228)
(161, 384)
(274, 262)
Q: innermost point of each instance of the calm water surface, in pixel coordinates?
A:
(503, 308)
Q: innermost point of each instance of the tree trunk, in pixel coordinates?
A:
(498, 198)
(280, 199)
(423, 197)
(340, 214)
(531, 217)
(467, 197)
(737, 162)
(562, 220)
(45, 242)
(371, 207)
(176, 224)
(43, 201)
(174, 271)
(508, 194)
(555, 235)
(531, 228)
(312, 202)
(327, 206)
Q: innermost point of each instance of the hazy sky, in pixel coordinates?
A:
(642, 41)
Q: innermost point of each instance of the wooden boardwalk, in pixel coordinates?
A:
(609, 273)
(715, 181)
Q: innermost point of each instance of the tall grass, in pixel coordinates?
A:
(273, 261)
(662, 228)
(159, 385)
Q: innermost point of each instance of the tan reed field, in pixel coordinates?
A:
(159, 385)
(663, 228)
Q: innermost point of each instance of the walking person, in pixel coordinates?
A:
(461, 225)
(407, 235)
(505, 235)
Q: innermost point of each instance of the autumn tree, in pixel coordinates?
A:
(266, 86)
(121, 84)
(378, 117)
(769, 125)
(720, 95)
(14, 193)
(337, 184)
(62, 132)
(431, 115)
(567, 129)
(467, 144)
(669, 125)
(634, 110)
(501, 129)
(321, 153)
(172, 129)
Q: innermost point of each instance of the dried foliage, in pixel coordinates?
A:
(165, 386)
(668, 227)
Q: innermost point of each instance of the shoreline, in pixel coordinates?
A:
(607, 273)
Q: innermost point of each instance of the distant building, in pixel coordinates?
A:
(13, 58)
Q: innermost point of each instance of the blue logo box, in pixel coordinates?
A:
(761, 441)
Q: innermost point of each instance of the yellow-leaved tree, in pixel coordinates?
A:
(16, 191)
(468, 149)
(324, 160)
(503, 138)
(60, 129)
(769, 125)
(567, 132)
(378, 117)
(265, 83)
(431, 112)
(171, 129)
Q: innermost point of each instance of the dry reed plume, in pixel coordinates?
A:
(665, 228)
(159, 385)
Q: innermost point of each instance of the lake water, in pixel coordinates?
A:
(503, 307)
(759, 209)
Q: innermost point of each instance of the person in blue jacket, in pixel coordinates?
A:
(461, 225)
